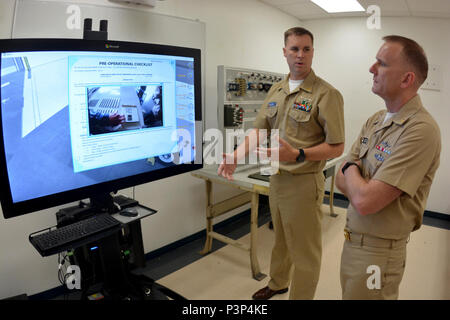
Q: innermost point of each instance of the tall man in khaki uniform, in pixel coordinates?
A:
(388, 175)
(309, 115)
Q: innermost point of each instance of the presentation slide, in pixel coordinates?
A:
(113, 97)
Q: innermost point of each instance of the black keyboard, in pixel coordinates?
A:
(75, 234)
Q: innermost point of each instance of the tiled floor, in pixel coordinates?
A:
(225, 273)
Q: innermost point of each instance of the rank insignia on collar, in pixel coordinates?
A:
(383, 149)
(272, 104)
(379, 157)
(364, 140)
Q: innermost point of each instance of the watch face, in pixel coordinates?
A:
(301, 156)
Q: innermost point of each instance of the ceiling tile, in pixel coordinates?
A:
(389, 8)
(304, 10)
(431, 14)
(388, 5)
(276, 3)
(348, 14)
(429, 8)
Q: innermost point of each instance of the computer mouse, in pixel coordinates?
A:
(129, 212)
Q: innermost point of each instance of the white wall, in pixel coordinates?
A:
(238, 33)
(6, 18)
(344, 51)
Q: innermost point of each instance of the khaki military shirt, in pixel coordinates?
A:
(309, 115)
(403, 152)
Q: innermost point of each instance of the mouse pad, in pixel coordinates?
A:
(259, 176)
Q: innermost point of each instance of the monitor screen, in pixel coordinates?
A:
(80, 117)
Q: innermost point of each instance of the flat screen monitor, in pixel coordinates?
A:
(81, 118)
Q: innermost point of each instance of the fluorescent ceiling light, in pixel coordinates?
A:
(332, 6)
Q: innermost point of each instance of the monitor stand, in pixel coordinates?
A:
(110, 260)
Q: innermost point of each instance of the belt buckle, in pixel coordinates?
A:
(347, 235)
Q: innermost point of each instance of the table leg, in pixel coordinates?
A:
(332, 213)
(256, 272)
(209, 225)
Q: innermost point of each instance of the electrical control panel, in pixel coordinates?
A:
(240, 95)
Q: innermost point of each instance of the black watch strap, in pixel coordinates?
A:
(348, 164)
(301, 156)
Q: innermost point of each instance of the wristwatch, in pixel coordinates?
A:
(348, 164)
(301, 156)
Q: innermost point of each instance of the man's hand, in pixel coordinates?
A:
(116, 119)
(366, 196)
(227, 167)
(156, 108)
(285, 151)
(340, 178)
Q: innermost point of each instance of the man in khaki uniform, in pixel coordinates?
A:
(388, 175)
(309, 115)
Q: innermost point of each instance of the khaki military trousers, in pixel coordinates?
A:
(295, 205)
(372, 268)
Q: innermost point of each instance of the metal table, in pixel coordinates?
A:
(253, 188)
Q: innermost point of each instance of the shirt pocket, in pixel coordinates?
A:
(297, 120)
(363, 151)
(271, 115)
(384, 148)
(374, 159)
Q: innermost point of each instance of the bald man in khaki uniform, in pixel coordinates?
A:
(388, 175)
(308, 112)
